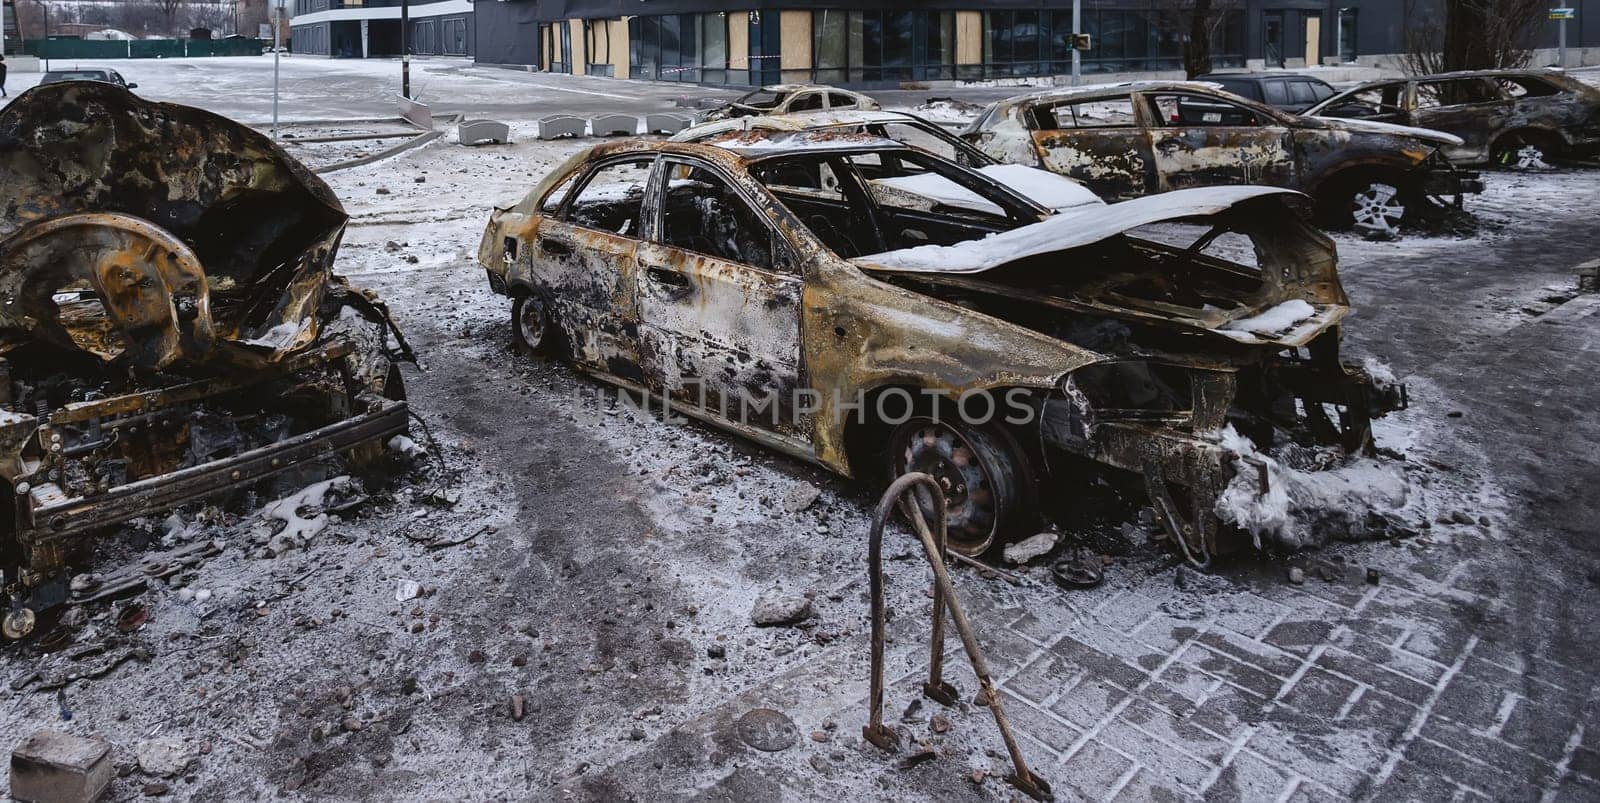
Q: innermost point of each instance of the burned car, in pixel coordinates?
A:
(765, 283)
(171, 329)
(1050, 190)
(1513, 118)
(791, 99)
(1131, 140)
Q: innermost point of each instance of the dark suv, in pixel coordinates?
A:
(1291, 92)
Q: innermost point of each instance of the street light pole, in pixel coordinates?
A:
(276, 8)
(405, 49)
(1077, 55)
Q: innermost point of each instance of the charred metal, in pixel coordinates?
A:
(1137, 139)
(171, 329)
(765, 263)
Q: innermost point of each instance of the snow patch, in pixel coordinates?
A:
(1275, 320)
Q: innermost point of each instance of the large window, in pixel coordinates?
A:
(1026, 43)
(857, 46)
(455, 37)
(679, 47)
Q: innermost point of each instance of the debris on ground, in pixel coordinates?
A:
(778, 607)
(165, 757)
(1032, 547)
(767, 730)
(53, 767)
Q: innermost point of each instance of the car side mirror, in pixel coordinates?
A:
(133, 86)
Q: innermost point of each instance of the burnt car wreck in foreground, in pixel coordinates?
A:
(857, 268)
(171, 329)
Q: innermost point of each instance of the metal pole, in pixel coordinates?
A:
(277, 47)
(1562, 52)
(405, 49)
(1077, 55)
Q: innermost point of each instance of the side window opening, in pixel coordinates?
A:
(1522, 87)
(1460, 92)
(1275, 93)
(808, 102)
(1104, 113)
(1195, 110)
(702, 213)
(839, 100)
(613, 198)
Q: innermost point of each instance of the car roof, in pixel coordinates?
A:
(1261, 76)
(796, 122)
(1055, 94)
(798, 87)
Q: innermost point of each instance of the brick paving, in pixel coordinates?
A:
(1274, 691)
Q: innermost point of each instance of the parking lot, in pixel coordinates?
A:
(612, 558)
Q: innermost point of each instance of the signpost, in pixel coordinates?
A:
(1563, 15)
(1077, 55)
(405, 49)
(276, 7)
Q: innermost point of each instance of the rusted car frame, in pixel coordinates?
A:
(791, 99)
(1130, 140)
(1512, 118)
(170, 328)
(850, 298)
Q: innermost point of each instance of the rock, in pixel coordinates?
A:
(476, 657)
(801, 496)
(819, 736)
(166, 757)
(716, 651)
(776, 607)
(383, 191)
(820, 764)
(1031, 547)
(517, 703)
(53, 766)
(351, 724)
(1372, 576)
(940, 723)
(407, 590)
(1297, 575)
(155, 789)
(767, 730)
(637, 735)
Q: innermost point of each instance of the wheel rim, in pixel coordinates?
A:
(530, 323)
(1374, 209)
(1528, 157)
(940, 452)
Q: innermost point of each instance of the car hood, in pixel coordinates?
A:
(1071, 229)
(1295, 294)
(1375, 127)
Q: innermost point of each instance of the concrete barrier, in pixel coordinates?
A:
(556, 126)
(668, 124)
(613, 124)
(483, 132)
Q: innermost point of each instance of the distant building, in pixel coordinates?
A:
(370, 28)
(887, 43)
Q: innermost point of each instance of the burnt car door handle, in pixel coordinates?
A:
(554, 247)
(668, 278)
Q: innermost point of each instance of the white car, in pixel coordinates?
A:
(792, 99)
(1047, 189)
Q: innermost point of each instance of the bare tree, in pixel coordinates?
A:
(169, 9)
(1200, 21)
(1450, 35)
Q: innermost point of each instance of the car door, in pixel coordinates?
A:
(1203, 140)
(582, 258)
(1474, 109)
(1097, 141)
(718, 293)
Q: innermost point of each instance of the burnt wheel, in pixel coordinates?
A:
(530, 325)
(1524, 151)
(978, 468)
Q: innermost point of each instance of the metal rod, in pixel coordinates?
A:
(405, 49)
(1077, 55)
(944, 596)
(276, 9)
(1562, 62)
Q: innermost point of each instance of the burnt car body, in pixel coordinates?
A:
(171, 329)
(774, 268)
(1050, 190)
(1515, 118)
(103, 76)
(791, 99)
(1130, 140)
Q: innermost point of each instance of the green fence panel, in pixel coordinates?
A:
(140, 48)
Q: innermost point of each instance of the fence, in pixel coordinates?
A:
(140, 48)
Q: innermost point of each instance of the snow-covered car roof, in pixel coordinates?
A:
(764, 144)
(1067, 93)
(794, 122)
